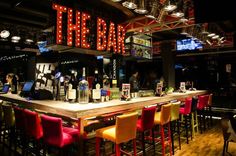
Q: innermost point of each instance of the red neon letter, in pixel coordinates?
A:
(121, 39)
(101, 34)
(60, 9)
(73, 27)
(112, 38)
(85, 30)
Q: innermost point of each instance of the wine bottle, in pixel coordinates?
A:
(83, 89)
(96, 92)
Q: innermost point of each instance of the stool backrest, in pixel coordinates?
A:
(33, 124)
(165, 114)
(9, 118)
(210, 100)
(206, 100)
(52, 130)
(175, 111)
(194, 104)
(188, 106)
(147, 118)
(126, 127)
(201, 102)
(19, 119)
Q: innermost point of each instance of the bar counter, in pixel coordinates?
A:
(76, 110)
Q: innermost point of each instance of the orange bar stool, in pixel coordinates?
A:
(123, 131)
(185, 112)
(146, 123)
(9, 122)
(162, 119)
(174, 118)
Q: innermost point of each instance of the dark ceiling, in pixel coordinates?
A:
(35, 15)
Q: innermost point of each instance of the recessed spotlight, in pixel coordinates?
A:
(116, 0)
(150, 16)
(5, 34)
(183, 20)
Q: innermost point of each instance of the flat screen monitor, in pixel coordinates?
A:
(5, 88)
(188, 44)
(28, 86)
(42, 46)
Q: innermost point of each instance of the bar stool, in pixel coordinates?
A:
(162, 119)
(146, 123)
(1, 123)
(34, 129)
(20, 125)
(209, 110)
(174, 118)
(54, 134)
(202, 103)
(194, 118)
(185, 112)
(123, 131)
(9, 122)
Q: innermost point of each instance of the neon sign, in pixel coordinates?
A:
(113, 39)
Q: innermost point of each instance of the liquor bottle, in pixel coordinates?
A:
(83, 89)
(96, 91)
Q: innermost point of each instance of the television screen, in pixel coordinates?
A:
(188, 44)
(42, 46)
(28, 86)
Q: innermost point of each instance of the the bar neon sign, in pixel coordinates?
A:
(114, 40)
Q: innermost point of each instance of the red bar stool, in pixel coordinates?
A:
(209, 110)
(34, 129)
(1, 123)
(146, 123)
(54, 134)
(202, 103)
(20, 125)
(9, 122)
(123, 131)
(162, 119)
(185, 112)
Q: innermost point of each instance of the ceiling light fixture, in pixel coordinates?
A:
(14, 41)
(116, 1)
(211, 34)
(208, 42)
(215, 37)
(16, 38)
(5, 34)
(183, 20)
(29, 40)
(129, 4)
(141, 8)
(177, 14)
(170, 7)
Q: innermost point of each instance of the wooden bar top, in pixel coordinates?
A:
(76, 110)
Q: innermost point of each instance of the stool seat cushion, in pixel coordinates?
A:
(139, 125)
(181, 111)
(72, 131)
(157, 119)
(108, 133)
